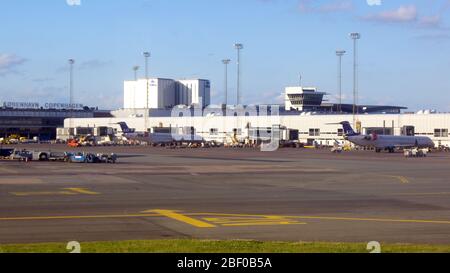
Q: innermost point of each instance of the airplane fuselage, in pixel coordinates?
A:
(391, 142)
(163, 138)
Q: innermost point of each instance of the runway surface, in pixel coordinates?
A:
(289, 194)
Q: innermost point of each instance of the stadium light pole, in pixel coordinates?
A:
(238, 47)
(355, 36)
(340, 53)
(135, 69)
(146, 56)
(71, 64)
(226, 62)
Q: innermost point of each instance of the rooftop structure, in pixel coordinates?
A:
(166, 93)
(308, 99)
(303, 98)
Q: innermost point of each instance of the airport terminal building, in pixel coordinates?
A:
(40, 120)
(304, 117)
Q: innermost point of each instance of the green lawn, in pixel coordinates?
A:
(206, 246)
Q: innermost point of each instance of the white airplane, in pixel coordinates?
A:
(158, 138)
(385, 142)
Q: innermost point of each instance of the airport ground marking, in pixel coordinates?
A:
(183, 218)
(260, 223)
(65, 191)
(420, 194)
(402, 179)
(79, 217)
(417, 221)
(220, 216)
(376, 220)
(262, 220)
(42, 193)
(82, 191)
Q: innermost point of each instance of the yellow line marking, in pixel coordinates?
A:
(253, 221)
(263, 224)
(447, 222)
(158, 213)
(43, 193)
(183, 218)
(66, 191)
(419, 194)
(82, 191)
(402, 179)
(376, 220)
(77, 217)
(243, 221)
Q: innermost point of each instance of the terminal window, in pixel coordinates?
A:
(440, 132)
(380, 131)
(314, 132)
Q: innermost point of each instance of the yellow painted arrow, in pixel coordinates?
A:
(181, 218)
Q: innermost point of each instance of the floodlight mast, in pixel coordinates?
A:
(340, 53)
(71, 64)
(135, 69)
(355, 36)
(238, 47)
(226, 62)
(146, 56)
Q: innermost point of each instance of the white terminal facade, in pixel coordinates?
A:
(304, 117)
(166, 93)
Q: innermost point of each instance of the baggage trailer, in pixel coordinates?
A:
(49, 156)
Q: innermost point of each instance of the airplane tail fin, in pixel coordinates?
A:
(348, 130)
(125, 128)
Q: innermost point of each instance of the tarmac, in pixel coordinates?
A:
(219, 193)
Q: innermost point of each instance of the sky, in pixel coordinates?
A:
(404, 50)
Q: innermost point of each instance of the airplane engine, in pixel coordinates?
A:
(371, 137)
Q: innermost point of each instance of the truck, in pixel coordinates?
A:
(91, 158)
(6, 153)
(76, 157)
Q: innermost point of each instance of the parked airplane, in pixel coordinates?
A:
(385, 142)
(157, 138)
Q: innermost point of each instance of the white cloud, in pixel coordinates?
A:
(374, 2)
(430, 21)
(407, 15)
(404, 14)
(8, 62)
(331, 6)
(336, 6)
